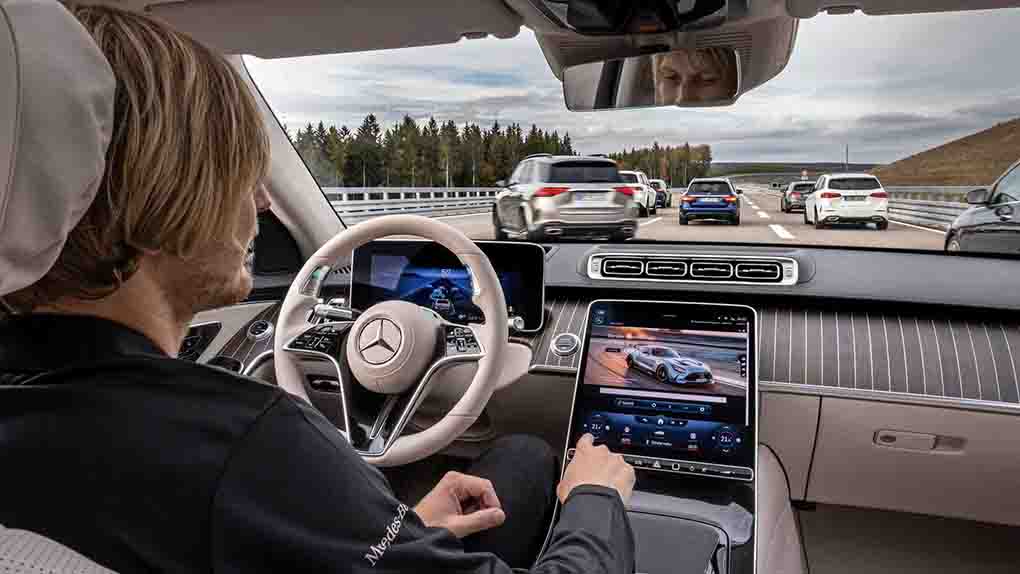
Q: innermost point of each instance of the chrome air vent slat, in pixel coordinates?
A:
(718, 270)
(693, 268)
(622, 267)
(666, 268)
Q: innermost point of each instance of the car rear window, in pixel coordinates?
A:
(804, 187)
(584, 172)
(658, 185)
(854, 183)
(709, 188)
(629, 178)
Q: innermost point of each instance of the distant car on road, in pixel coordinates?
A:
(667, 365)
(710, 198)
(992, 224)
(794, 196)
(645, 197)
(663, 197)
(847, 198)
(582, 197)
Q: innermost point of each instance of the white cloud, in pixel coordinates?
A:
(887, 86)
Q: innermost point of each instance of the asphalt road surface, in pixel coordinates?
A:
(761, 222)
(610, 369)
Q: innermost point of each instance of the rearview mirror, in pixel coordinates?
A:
(685, 78)
(977, 196)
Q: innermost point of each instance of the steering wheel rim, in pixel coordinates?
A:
(302, 296)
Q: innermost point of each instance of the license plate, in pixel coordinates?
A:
(580, 196)
(855, 197)
(709, 200)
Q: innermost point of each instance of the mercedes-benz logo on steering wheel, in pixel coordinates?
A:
(379, 341)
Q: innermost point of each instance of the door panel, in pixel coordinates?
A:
(232, 319)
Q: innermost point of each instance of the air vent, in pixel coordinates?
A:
(766, 272)
(712, 270)
(616, 267)
(693, 268)
(666, 268)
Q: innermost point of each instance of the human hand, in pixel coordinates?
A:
(596, 465)
(461, 503)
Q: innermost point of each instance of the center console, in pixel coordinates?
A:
(671, 387)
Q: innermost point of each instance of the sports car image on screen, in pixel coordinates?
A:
(667, 365)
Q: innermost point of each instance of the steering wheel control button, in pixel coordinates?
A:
(565, 344)
(461, 341)
(260, 330)
(380, 341)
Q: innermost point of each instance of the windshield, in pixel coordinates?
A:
(584, 172)
(858, 183)
(923, 106)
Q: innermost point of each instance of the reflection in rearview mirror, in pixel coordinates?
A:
(690, 78)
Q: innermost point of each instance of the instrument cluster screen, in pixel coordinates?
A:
(670, 385)
(427, 274)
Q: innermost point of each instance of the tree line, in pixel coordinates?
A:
(436, 154)
(429, 155)
(677, 165)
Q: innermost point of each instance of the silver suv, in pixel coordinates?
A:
(577, 197)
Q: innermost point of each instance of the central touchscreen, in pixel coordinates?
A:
(670, 385)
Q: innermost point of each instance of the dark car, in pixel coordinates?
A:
(793, 197)
(992, 224)
(713, 198)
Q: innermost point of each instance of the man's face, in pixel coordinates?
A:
(220, 274)
(688, 76)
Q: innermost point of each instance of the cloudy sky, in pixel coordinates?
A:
(888, 86)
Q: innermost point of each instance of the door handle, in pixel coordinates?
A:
(1005, 213)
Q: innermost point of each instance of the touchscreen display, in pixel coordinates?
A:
(427, 274)
(669, 381)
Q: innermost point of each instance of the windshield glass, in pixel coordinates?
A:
(708, 188)
(859, 183)
(584, 172)
(861, 94)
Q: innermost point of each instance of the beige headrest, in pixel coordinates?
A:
(56, 119)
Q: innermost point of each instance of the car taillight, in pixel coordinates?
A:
(795, 194)
(880, 195)
(730, 199)
(551, 191)
(624, 190)
(687, 198)
(829, 195)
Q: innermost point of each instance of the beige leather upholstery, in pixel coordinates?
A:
(24, 552)
(780, 549)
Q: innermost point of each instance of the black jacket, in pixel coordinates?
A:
(146, 463)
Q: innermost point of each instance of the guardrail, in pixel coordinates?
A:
(356, 204)
(934, 214)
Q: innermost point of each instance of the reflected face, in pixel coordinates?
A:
(691, 76)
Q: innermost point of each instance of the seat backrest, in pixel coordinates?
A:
(56, 101)
(23, 552)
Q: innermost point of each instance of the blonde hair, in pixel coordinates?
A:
(188, 148)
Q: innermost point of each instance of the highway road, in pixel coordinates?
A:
(761, 222)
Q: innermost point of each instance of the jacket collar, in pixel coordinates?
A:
(37, 342)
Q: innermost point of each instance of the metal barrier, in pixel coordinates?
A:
(356, 204)
(935, 214)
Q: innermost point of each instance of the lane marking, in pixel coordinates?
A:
(650, 221)
(764, 215)
(940, 232)
(461, 215)
(781, 231)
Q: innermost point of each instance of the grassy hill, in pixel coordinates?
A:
(975, 160)
(720, 168)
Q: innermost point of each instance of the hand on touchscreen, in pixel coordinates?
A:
(596, 465)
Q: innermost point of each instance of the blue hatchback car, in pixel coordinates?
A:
(710, 198)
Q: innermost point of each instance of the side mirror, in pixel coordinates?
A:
(978, 196)
(740, 191)
(501, 183)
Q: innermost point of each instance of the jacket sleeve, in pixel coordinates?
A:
(295, 497)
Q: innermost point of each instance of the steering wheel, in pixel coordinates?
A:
(395, 347)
